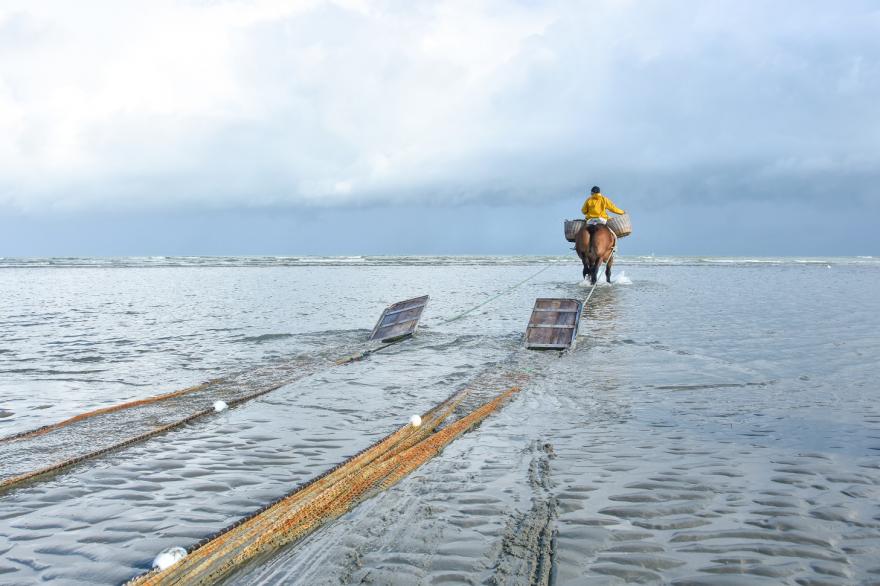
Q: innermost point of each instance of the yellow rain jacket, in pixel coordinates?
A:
(596, 206)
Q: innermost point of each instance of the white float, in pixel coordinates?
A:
(168, 557)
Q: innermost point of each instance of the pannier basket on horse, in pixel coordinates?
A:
(620, 225)
(572, 227)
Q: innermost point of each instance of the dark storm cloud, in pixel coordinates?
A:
(691, 106)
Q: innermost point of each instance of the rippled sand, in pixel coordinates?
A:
(715, 425)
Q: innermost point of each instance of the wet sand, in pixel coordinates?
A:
(715, 425)
(600, 487)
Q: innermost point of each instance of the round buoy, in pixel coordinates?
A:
(415, 420)
(220, 406)
(168, 557)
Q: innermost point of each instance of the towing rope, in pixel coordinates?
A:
(590, 294)
(16, 480)
(493, 298)
(593, 288)
(360, 355)
(325, 498)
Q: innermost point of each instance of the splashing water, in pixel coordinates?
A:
(621, 279)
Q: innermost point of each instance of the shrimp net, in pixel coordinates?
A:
(327, 497)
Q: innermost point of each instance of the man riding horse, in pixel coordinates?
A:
(595, 242)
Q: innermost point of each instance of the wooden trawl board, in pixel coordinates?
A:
(399, 320)
(554, 324)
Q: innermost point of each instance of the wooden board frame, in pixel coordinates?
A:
(553, 324)
(399, 320)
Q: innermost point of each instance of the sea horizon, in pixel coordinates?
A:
(120, 261)
(705, 399)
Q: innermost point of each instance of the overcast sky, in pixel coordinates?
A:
(287, 127)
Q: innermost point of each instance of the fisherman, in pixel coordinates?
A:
(597, 206)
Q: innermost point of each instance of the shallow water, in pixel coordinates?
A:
(717, 422)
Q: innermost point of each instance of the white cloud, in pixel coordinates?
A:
(252, 103)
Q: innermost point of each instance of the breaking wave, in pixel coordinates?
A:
(310, 261)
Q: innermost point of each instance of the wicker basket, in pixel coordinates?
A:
(572, 227)
(620, 225)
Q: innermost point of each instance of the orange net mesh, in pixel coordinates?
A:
(14, 481)
(38, 453)
(376, 468)
(104, 410)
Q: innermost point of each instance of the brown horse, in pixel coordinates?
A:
(594, 244)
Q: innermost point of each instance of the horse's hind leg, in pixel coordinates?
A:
(582, 247)
(608, 268)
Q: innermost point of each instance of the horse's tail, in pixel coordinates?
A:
(591, 228)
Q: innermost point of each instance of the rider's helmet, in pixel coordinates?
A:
(595, 189)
